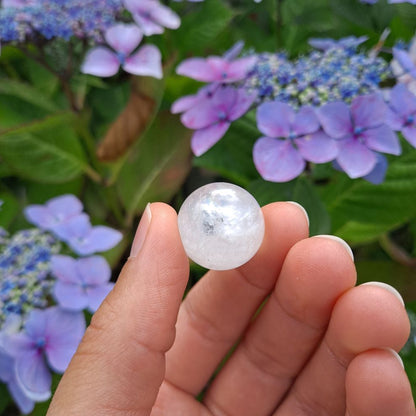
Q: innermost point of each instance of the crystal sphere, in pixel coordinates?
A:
(221, 226)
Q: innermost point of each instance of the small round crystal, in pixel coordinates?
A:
(221, 226)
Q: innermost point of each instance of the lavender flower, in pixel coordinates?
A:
(54, 212)
(291, 138)
(49, 339)
(81, 284)
(361, 132)
(216, 68)
(402, 114)
(152, 16)
(348, 43)
(124, 39)
(212, 117)
(63, 216)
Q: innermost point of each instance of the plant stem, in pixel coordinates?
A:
(279, 23)
(396, 252)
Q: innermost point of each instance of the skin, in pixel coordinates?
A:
(317, 346)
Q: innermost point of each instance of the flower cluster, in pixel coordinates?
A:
(322, 107)
(390, 1)
(22, 20)
(43, 294)
(97, 21)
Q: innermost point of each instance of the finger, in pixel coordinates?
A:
(365, 317)
(377, 385)
(315, 273)
(120, 363)
(217, 310)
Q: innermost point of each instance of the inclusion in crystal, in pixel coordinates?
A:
(221, 226)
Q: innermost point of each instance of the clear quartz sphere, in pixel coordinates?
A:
(221, 226)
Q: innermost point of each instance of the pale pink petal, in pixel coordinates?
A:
(147, 61)
(124, 38)
(101, 62)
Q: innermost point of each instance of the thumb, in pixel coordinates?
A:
(120, 363)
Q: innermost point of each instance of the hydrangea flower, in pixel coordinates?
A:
(291, 138)
(349, 42)
(81, 283)
(361, 132)
(212, 117)
(63, 216)
(151, 16)
(124, 39)
(216, 68)
(402, 114)
(49, 340)
(56, 211)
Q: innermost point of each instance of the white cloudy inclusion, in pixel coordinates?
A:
(221, 226)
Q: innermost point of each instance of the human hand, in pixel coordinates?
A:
(318, 346)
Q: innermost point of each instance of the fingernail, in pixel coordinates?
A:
(301, 207)
(340, 241)
(396, 355)
(391, 289)
(141, 232)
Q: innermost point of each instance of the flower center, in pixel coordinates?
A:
(40, 343)
(410, 119)
(358, 130)
(222, 116)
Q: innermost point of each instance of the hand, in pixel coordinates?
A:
(317, 346)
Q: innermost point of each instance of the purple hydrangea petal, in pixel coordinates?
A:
(64, 333)
(94, 270)
(123, 38)
(355, 158)
(405, 61)
(23, 402)
(201, 116)
(147, 25)
(243, 102)
(6, 367)
(54, 211)
(274, 119)
(335, 119)
(64, 268)
(368, 110)
(234, 51)
(70, 296)
(33, 376)
(402, 101)
(185, 103)
(147, 61)
(238, 69)
(100, 238)
(393, 120)
(39, 216)
(378, 174)
(35, 325)
(97, 294)
(317, 147)
(382, 139)
(202, 69)
(101, 62)
(409, 133)
(277, 160)
(165, 16)
(305, 122)
(322, 43)
(204, 139)
(17, 344)
(65, 206)
(76, 228)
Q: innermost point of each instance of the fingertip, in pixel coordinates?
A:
(380, 375)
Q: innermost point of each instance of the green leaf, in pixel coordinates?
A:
(232, 156)
(27, 93)
(47, 150)
(200, 28)
(300, 191)
(9, 209)
(156, 167)
(361, 211)
(5, 398)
